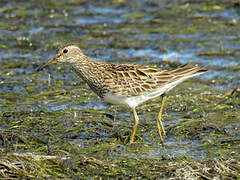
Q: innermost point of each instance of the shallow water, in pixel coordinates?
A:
(158, 33)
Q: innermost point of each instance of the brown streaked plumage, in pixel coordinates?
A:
(126, 84)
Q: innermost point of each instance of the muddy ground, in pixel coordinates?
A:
(51, 124)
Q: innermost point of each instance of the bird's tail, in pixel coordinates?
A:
(187, 71)
(181, 74)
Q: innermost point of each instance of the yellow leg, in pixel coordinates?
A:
(135, 126)
(161, 130)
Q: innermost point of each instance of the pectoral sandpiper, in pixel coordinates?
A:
(125, 84)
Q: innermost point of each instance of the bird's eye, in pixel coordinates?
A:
(65, 51)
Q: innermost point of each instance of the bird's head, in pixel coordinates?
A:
(69, 53)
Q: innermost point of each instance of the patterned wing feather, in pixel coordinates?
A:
(133, 80)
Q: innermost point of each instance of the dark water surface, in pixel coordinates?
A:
(198, 117)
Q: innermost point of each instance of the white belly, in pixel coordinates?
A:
(133, 101)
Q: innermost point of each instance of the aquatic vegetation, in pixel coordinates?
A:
(52, 126)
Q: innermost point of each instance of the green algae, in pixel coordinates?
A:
(211, 130)
(7, 26)
(222, 52)
(207, 8)
(55, 128)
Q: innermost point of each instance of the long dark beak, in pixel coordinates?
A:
(53, 61)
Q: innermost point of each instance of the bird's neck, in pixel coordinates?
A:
(84, 66)
(88, 70)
